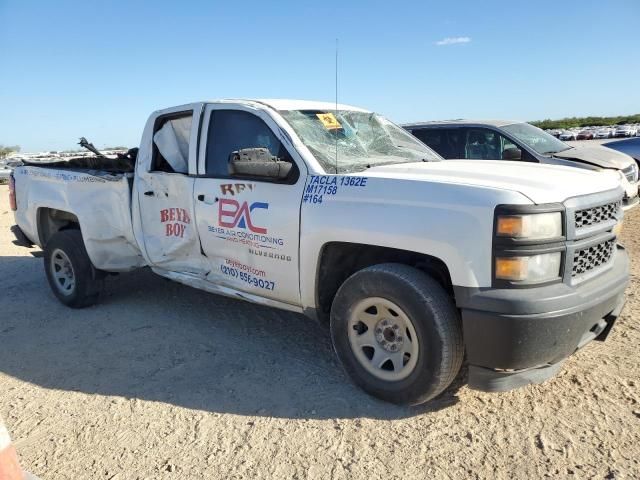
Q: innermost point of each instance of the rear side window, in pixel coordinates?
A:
(445, 141)
(233, 130)
(171, 138)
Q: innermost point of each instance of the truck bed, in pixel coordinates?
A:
(50, 193)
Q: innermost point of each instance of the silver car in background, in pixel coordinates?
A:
(625, 131)
(604, 133)
(568, 135)
(519, 141)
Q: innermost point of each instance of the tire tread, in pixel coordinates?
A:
(89, 280)
(446, 322)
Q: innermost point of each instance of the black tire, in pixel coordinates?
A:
(435, 320)
(88, 281)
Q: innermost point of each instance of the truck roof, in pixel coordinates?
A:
(291, 104)
(460, 121)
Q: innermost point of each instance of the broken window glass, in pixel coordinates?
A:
(347, 141)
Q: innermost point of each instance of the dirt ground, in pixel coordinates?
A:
(163, 381)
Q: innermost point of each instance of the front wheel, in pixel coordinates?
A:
(397, 333)
(71, 275)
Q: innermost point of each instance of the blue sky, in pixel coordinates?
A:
(97, 69)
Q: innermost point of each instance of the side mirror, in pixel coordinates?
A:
(258, 162)
(512, 154)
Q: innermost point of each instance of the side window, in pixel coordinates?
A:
(171, 143)
(486, 144)
(435, 138)
(455, 143)
(446, 141)
(506, 143)
(482, 144)
(233, 130)
(511, 151)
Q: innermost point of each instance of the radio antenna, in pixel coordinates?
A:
(336, 113)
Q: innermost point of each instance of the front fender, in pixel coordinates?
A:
(453, 223)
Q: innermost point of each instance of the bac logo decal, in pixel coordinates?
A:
(233, 214)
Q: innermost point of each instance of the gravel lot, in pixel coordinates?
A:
(163, 381)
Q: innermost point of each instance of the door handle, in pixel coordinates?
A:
(202, 198)
(149, 193)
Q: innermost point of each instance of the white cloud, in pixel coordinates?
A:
(453, 40)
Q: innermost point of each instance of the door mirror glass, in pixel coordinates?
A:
(512, 153)
(257, 162)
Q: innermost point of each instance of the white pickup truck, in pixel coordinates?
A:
(335, 212)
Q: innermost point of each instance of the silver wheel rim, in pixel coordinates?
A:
(63, 275)
(383, 339)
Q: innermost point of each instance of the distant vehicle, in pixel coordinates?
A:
(604, 133)
(506, 140)
(568, 135)
(630, 146)
(625, 131)
(555, 132)
(585, 135)
(5, 171)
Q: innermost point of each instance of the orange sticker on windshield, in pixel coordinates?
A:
(328, 120)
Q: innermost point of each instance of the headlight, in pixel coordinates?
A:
(534, 226)
(534, 268)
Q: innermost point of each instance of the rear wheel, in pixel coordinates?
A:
(397, 333)
(72, 277)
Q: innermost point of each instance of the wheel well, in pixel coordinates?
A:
(340, 260)
(51, 221)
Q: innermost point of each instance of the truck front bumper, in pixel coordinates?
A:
(514, 337)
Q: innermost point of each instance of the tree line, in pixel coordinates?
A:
(586, 121)
(8, 150)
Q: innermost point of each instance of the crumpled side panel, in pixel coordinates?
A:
(101, 202)
(164, 222)
(168, 224)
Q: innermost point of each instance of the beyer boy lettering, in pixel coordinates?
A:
(175, 220)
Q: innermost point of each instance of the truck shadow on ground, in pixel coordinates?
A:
(157, 340)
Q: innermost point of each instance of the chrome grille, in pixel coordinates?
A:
(595, 215)
(592, 257)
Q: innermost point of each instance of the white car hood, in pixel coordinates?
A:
(540, 183)
(597, 155)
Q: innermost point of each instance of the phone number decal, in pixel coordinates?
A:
(247, 278)
(319, 186)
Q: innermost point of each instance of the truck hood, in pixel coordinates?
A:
(596, 155)
(540, 183)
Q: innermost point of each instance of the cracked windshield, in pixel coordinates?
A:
(362, 140)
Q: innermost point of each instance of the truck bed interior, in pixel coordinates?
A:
(122, 163)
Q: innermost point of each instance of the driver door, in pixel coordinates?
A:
(249, 227)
